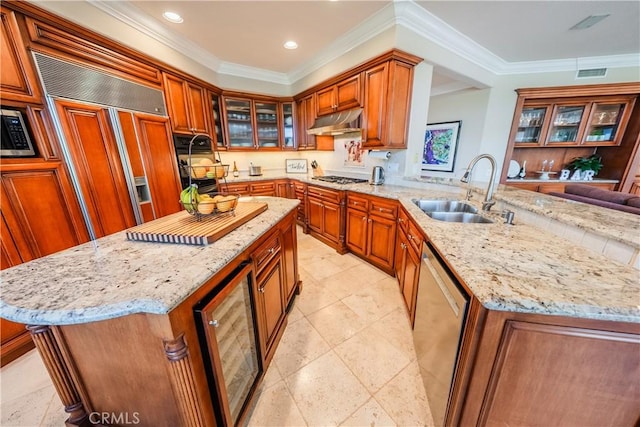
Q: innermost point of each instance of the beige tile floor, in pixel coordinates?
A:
(346, 357)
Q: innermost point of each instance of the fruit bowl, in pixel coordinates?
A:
(205, 205)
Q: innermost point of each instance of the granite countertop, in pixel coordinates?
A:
(510, 268)
(112, 276)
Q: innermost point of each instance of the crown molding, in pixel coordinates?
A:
(398, 13)
(143, 23)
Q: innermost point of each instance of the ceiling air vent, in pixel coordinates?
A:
(590, 73)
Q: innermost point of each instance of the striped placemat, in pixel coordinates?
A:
(184, 228)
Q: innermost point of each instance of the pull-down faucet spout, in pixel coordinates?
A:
(488, 199)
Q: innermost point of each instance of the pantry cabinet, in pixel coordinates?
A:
(371, 229)
(344, 95)
(18, 81)
(188, 105)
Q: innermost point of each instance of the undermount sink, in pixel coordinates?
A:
(451, 211)
(459, 217)
(445, 206)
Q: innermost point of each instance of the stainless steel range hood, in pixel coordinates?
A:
(337, 123)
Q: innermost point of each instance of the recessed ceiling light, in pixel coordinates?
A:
(589, 21)
(172, 17)
(290, 45)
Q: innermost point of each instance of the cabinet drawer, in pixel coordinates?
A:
(324, 194)
(266, 253)
(384, 209)
(263, 189)
(359, 203)
(239, 188)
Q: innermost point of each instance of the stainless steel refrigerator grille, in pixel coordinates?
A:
(66, 80)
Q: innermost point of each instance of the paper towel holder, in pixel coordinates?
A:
(377, 154)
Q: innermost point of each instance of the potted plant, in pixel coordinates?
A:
(593, 163)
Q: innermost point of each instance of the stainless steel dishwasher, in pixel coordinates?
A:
(441, 309)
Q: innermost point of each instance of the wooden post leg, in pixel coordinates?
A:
(183, 381)
(59, 371)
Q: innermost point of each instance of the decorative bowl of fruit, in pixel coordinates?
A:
(205, 205)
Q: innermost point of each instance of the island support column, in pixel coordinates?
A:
(60, 373)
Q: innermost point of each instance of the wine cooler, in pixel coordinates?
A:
(228, 339)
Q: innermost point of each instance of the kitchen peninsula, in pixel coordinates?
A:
(546, 317)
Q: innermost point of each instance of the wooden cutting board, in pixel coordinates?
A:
(184, 228)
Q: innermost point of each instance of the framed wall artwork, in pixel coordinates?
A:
(296, 165)
(440, 145)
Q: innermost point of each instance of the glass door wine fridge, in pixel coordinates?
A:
(228, 339)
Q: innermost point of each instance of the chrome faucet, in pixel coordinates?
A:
(488, 198)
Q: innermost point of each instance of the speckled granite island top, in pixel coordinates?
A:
(112, 276)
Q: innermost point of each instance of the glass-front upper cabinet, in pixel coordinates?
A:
(288, 142)
(565, 125)
(267, 124)
(217, 122)
(604, 123)
(530, 125)
(239, 123)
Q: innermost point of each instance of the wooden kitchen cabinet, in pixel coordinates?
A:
(263, 188)
(241, 188)
(407, 261)
(300, 193)
(39, 216)
(561, 123)
(341, 96)
(18, 80)
(371, 229)
(510, 362)
(306, 116)
(325, 216)
(291, 281)
(387, 102)
(188, 105)
(284, 189)
(269, 293)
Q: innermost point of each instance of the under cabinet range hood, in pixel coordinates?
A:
(337, 123)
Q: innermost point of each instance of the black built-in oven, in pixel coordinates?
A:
(201, 149)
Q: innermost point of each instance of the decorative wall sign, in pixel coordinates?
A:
(354, 155)
(296, 165)
(440, 144)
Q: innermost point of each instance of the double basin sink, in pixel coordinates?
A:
(451, 211)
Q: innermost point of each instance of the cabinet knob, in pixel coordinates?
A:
(410, 237)
(214, 323)
(364, 218)
(261, 289)
(369, 220)
(403, 246)
(271, 250)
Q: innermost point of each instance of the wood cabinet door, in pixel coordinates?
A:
(348, 93)
(398, 105)
(375, 98)
(97, 163)
(357, 226)
(18, 81)
(270, 297)
(400, 255)
(263, 188)
(332, 221)
(381, 238)
(290, 259)
(306, 114)
(315, 215)
(177, 103)
(241, 188)
(158, 156)
(40, 210)
(325, 101)
(198, 108)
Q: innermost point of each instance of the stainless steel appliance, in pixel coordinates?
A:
(339, 179)
(16, 141)
(228, 339)
(377, 175)
(441, 309)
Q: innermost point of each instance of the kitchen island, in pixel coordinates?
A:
(114, 320)
(534, 294)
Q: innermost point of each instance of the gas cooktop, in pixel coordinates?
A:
(339, 179)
